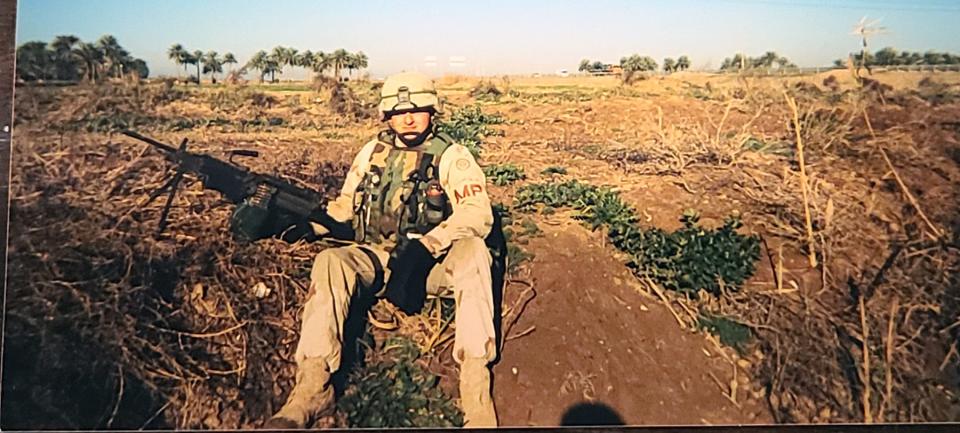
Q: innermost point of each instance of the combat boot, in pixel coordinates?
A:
(311, 398)
(475, 398)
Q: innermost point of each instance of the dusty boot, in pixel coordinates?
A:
(311, 398)
(475, 398)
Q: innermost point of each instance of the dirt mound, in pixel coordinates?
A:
(590, 336)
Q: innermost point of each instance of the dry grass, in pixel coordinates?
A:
(869, 332)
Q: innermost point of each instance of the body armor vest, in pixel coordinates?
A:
(400, 196)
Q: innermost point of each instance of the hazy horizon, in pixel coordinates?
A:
(496, 37)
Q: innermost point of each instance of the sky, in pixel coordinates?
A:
(496, 37)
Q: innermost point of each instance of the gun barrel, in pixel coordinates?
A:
(165, 147)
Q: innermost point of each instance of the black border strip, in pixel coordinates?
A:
(8, 30)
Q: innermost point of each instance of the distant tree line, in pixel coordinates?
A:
(890, 56)
(681, 64)
(766, 61)
(319, 62)
(67, 58)
(209, 62)
(271, 63)
(636, 63)
(597, 66)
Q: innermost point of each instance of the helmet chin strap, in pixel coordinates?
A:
(419, 139)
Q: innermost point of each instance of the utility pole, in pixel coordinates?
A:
(866, 30)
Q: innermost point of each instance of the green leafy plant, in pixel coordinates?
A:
(529, 228)
(730, 332)
(504, 174)
(469, 126)
(397, 392)
(516, 255)
(687, 260)
(774, 147)
(554, 169)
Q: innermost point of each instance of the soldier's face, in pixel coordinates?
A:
(410, 124)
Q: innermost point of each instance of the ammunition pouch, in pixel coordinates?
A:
(251, 219)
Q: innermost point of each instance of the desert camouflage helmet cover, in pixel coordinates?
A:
(407, 91)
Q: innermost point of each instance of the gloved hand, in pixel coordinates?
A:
(338, 230)
(302, 230)
(407, 287)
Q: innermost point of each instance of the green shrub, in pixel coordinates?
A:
(397, 392)
(469, 126)
(730, 332)
(529, 227)
(515, 253)
(553, 169)
(687, 260)
(505, 174)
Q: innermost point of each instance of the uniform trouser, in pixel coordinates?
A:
(464, 272)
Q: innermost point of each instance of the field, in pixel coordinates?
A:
(825, 287)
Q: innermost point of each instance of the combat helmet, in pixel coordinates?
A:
(408, 91)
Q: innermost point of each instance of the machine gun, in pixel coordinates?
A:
(267, 205)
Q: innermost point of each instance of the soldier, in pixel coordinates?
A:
(416, 204)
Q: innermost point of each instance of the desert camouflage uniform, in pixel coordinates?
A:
(463, 271)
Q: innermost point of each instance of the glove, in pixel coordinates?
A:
(407, 288)
(302, 230)
(338, 230)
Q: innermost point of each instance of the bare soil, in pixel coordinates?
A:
(594, 338)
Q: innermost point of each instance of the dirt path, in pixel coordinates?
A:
(598, 340)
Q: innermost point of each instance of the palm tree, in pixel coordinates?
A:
(139, 66)
(304, 59)
(228, 59)
(360, 60)
(291, 58)
(273, 67)
(65, 61)
(258, 62)
(92, 58)
(340, 57)
(321, 62)
(113, 54)
(197, 59)
(766, 60)
(286, 57)
(584, 65)
(669, 65)
(272, 63)
(212, 65)
(178, 55)
(188, 59)
(351, 64)
(34, 61)
(279, 57)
